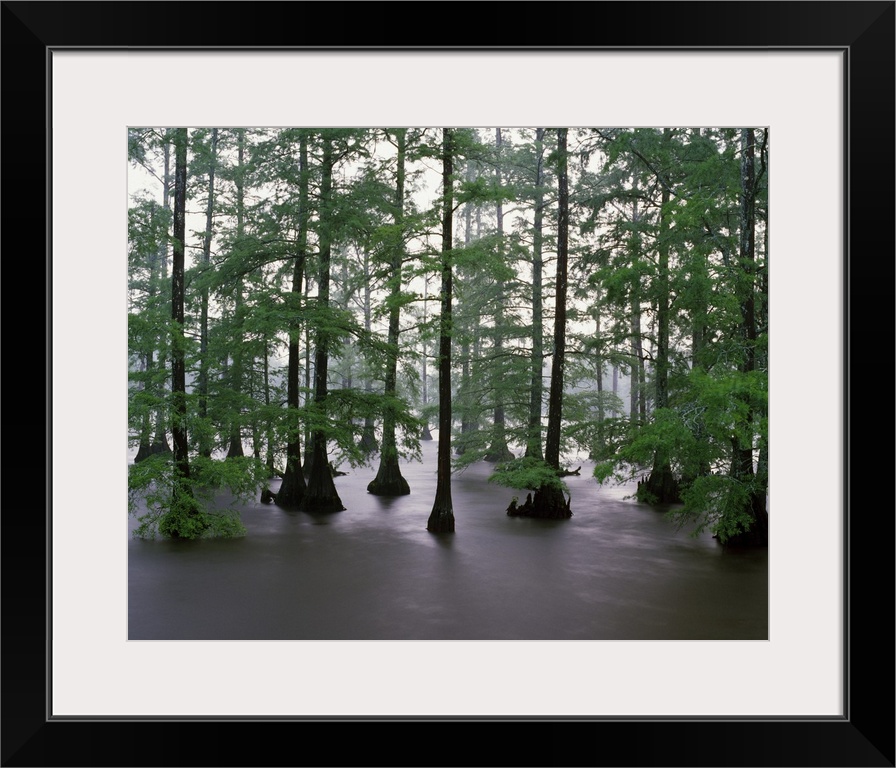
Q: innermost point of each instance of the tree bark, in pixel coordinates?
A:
(742, 462)
(441, 519)
(181, 518)
(178, 342)
(597, 447)
(368, 443)
(637, 372)
(498, 450)
(388, 480)
(427, 435)
(159, 441)
(662, 486)
(468, 418)
(321, 494)
(550, 501)
(205, 447)
(293, 486)
(536, 392)
(152, 434)
(236, 367)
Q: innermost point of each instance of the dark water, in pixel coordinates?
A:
(616, 570)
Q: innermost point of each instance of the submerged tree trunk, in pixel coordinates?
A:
(498, 450)
(306, 462)
(661, 485)
(292, 489)
(178, 342)
(160, 440)
(321, 494)
(466, 329)
(441, 519)
(388, 480)
(742, 462)
(158, 443)
(152, 442)
(536, 391)
(549, 500)
(182, 519)
(205, 442)
(237, 364)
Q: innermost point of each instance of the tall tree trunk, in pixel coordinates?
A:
(424, 375)
(637, 406)
(615, 387)
(468, 417)
(550, 501)
(143, 364)
(175, 521)
(321, 494)
(306, 464)
(498, 451)
(742, 460)
(347, 358)
(160, 439)
(597, 449)
(268, 423)
(388, 480)
(368, 442)
(292, 489)
(237, 362)
(441, 519)
(152, 432)
(178, 341)
(205, 442)
(662, 486)
(536, 390)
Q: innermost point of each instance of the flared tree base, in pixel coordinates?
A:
(321, 495)
(320, 504)
(292, 491)
(548, 504)
(147, 450)
(426, 434)
(388, 481)
(498, 454)
(441, 521)
(757, 536)
(659, 487)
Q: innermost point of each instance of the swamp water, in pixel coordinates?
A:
(616, 570)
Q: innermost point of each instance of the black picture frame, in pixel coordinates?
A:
(864, 736)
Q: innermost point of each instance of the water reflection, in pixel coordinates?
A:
(616, 570)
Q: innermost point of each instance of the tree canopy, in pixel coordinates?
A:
(304, 299)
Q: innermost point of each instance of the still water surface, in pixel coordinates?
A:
(616, 570)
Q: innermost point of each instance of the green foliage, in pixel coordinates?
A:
(342, 415)
(724, 405)
(653, 224)
(205, 505)
(527, 473)
(718, 503)
(635, 445)
(583, 428)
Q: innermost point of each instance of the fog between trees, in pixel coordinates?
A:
(302, 300)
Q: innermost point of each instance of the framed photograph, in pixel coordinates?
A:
(818, 691)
